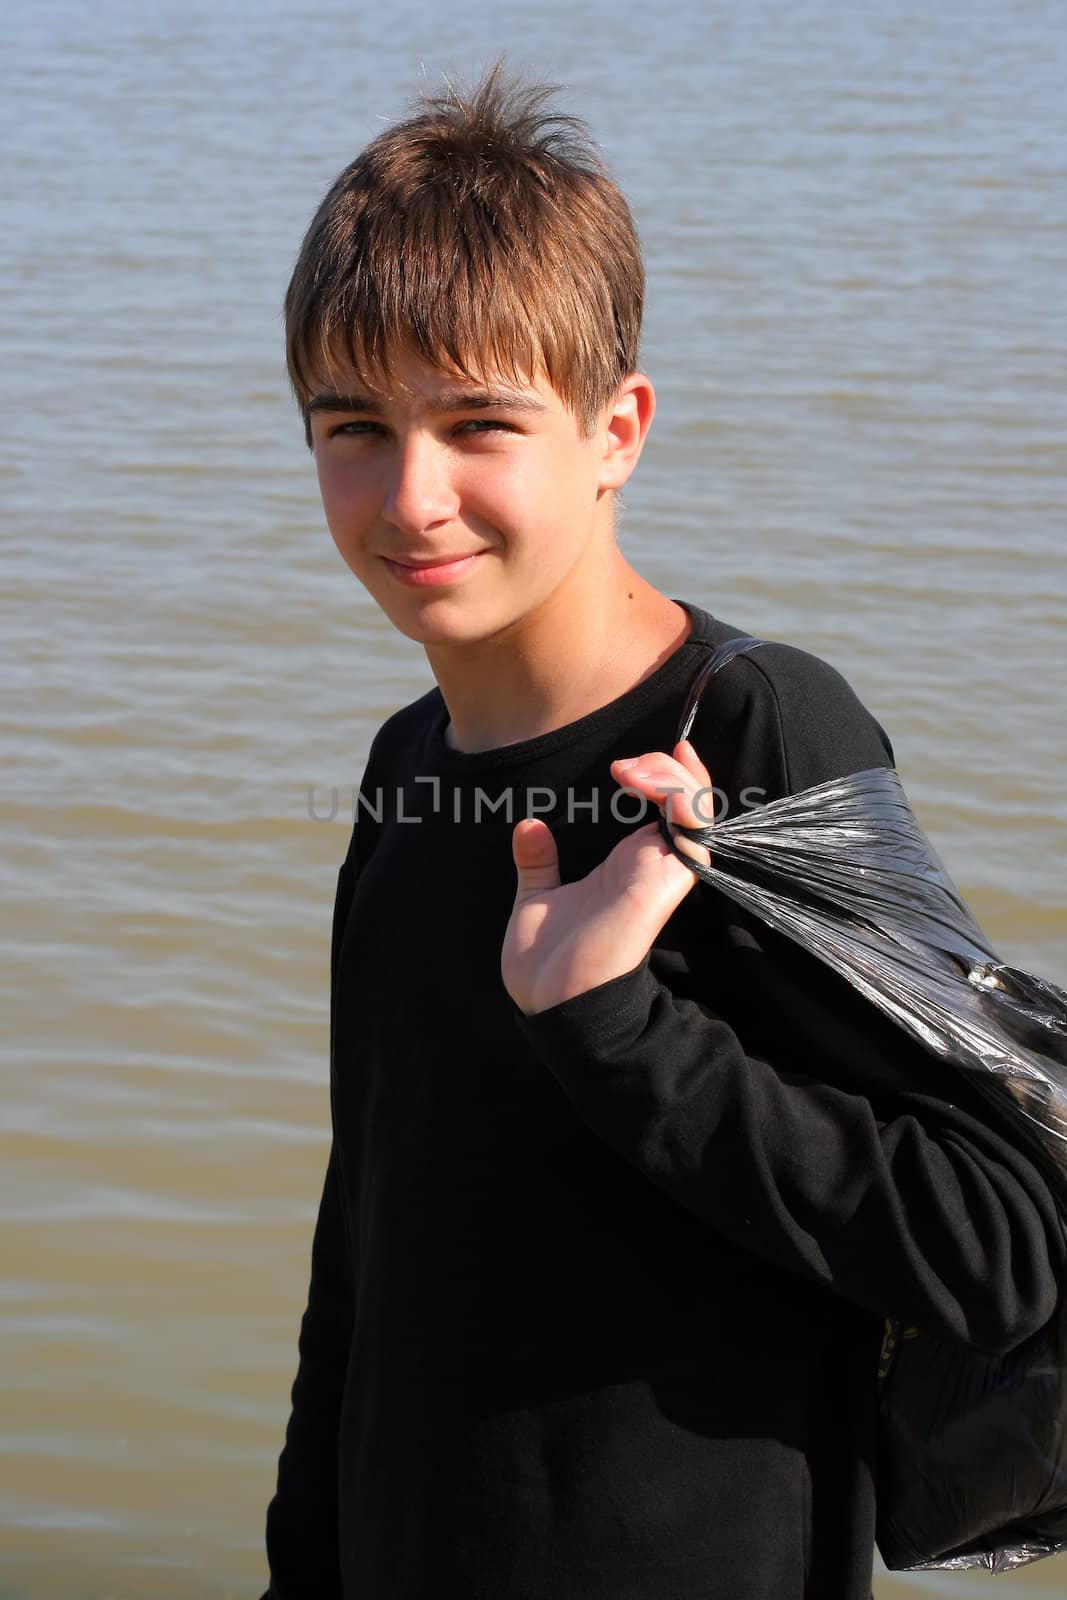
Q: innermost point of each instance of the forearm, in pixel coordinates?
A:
(913, 1209)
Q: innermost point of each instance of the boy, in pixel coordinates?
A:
(621, 1184)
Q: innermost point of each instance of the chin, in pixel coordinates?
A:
(443, 622)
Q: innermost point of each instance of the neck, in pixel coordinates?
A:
(554, 666)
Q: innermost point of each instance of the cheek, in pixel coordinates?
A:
(344, 501)
(529, 498)
(327, 476)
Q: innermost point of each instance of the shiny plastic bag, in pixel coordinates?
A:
(972, 1468)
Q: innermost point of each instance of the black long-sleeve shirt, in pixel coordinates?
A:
(597, 1294)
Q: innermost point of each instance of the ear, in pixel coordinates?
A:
(625, 426)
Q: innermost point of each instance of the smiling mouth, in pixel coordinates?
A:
(439, 570)
(435, 561)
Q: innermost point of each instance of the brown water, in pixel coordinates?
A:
(856, 221)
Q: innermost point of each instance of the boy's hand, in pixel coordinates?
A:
(563, 939)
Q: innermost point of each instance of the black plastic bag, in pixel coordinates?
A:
(972, 1468)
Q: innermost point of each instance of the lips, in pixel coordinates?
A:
(433, 561)
(436, 570)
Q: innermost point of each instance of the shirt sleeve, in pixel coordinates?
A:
(839, 1150)
(302, 1522)
(302, 1530)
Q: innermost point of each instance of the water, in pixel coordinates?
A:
(855, 220)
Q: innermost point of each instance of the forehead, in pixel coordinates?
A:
(403, 377)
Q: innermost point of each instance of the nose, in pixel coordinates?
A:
(419, 492)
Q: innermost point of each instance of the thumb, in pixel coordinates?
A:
(536, 858)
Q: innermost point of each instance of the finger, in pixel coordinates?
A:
(685, 796)
(702, 803)
(687, 756)
(536, 858)
(656, 865)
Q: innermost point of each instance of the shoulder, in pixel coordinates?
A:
(404, 735)
(792, 719)
(395, 751)
(825, 728)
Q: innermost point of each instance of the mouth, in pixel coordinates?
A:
(438, 570)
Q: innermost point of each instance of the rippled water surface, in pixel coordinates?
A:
(856, 224)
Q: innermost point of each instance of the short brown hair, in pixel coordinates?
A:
(483, 233)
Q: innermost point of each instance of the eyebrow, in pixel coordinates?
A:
(448, 400)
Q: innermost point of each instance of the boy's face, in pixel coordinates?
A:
(463, 507)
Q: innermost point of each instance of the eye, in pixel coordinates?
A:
(354, 430)
(485, 425)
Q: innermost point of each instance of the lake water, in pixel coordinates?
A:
(856, 224)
